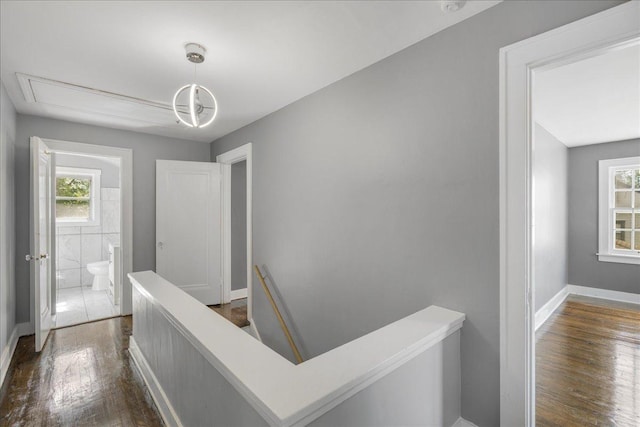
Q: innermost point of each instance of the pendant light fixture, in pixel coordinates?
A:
(194, 105)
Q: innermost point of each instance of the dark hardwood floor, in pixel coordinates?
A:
(235, 312)
(83, 377)
(588, 365)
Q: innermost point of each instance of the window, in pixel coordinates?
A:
(77, 196)
(619, 210)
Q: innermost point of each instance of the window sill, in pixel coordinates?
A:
(77, 223)
(622, 259)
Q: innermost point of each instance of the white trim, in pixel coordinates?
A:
(461, 422)
(543, 314)
(244, 152)
(254, 329)
(619, 258)
(7, 354)
(158, 395)
(126, 206)
(25, 329)
(518, 62)
(307, 390)
(606, 203)
(239, 294)
(19, 330)
(604, 294)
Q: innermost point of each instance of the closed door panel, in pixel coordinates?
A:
(188, 227)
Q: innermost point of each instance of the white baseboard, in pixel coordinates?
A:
(25, 329)
(546, 310)
(604, 293)
(461, 422)
(7, 354)
(239, 294)
(165, 408)
(254, 330)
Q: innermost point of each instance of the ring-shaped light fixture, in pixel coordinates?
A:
(195, 54)
(193, 111)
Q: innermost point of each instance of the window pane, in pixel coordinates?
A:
(73, 187)
(623, 199)
(72, 209)
(636, 244)
(624, 178)
(637, 221)
(623, 220)
(637, 178)
(623, 239)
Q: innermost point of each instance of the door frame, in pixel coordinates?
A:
(587, 37)
(242, 153)
(126, 207)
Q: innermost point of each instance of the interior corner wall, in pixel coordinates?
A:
(378, 195)
(584, 267)
(146, 150)
(7, 220)
(550, 231)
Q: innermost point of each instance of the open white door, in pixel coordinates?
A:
(189, 228)
(41, 188)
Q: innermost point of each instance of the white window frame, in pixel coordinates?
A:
(94, 202)
(607, 251)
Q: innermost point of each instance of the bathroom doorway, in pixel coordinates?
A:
(44, 288)
(86, 238)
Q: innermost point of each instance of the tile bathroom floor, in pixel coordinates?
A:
(81, 305)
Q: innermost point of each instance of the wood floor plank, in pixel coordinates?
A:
(83, 377)
(588, 365)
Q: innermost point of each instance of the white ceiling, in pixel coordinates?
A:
(262, 55)
(593, 100)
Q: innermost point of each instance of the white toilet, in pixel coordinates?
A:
(100, 271)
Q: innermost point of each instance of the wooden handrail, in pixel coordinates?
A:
(283, 325)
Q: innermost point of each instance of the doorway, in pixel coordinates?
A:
(237, 214)
(519, 63)
(87, 255)
(45, 287)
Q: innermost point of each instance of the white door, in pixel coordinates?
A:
(188, 227)
(41, 190)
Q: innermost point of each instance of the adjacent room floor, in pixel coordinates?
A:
(588, 364)
(81, 305)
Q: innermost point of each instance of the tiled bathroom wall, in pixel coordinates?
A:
(77, 246)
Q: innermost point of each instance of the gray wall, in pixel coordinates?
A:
(584, 267)
(110, 169)
(146, 149)
(239, 225)
(550, 231)
(378, 195)
(7, 219)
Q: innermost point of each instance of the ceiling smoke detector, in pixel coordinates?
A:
(450, 6)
